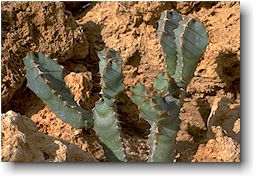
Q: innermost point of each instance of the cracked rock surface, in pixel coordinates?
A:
(22, 142)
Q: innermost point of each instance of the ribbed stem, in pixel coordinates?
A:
(107, 128)
(45, 79)
(105, 117)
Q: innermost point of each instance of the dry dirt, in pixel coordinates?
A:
(210, 127)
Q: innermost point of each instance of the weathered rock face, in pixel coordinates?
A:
(220, 149)
(80, 85)
(22, 142)
(223, 133)
(36, 26)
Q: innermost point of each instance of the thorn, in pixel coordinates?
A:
(78, 103)
(65, 103)
(87, 5)
(60, 97)
(46, 81)
(185, 25)
(40, 72)
(33, 60)
(154, 104)
(61, 66)
(37, 77)
(156, 131)
(73, 107)
(165, 19)
(181, 35)
(36, 65)
(162, 113)
(54, 91)
(162, 30)
(25, 88)
(95, 94)
(165, 94)
(166, 13)
(180, 46)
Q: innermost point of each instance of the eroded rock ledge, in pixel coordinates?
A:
(22, 142)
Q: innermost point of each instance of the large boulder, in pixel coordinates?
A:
(22, 142)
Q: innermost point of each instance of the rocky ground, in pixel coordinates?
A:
(210, 127)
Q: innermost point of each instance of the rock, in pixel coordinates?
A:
(185, 7)
(80, 85)
(75, 6)
(36, 26)
(124, 28)
(22, 142)
(225, 112)
(220, 149)
(48, 123)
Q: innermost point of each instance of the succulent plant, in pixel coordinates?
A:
(45, 79)
(183, 41)
(105, 118)
(161, 111)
